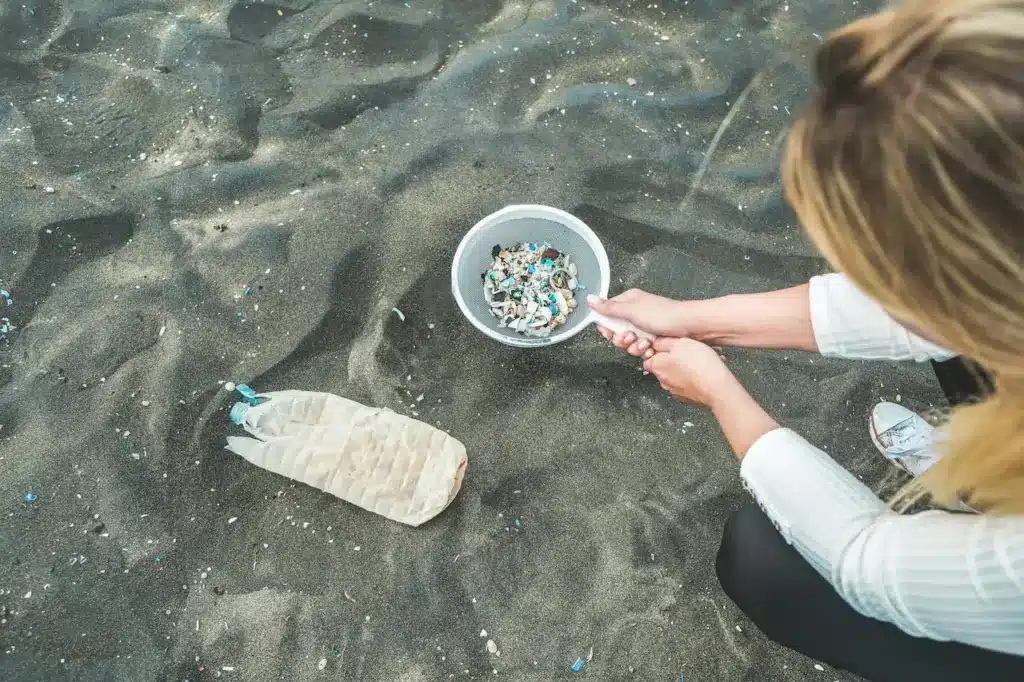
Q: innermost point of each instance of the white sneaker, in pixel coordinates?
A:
(907, 441)
(904, 438)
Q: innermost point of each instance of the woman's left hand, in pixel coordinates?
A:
(690, 370)
(694, 372)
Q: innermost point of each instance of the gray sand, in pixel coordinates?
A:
(317, 153)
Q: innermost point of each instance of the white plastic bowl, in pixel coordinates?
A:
(528, 223)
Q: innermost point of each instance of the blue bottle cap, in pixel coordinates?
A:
(248, 394)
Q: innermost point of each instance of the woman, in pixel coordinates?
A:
(907, 171)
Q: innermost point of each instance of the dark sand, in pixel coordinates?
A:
(316, 152)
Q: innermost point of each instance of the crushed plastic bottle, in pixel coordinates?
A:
(384, 462)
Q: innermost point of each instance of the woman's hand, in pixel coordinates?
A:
(694, 372)
(654, 314)
(690, 370)
(774, 319)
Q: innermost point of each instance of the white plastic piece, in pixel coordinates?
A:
(384, 462)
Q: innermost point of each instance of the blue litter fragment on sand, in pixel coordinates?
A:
(578, 665)
(238, 411)
(248, 394)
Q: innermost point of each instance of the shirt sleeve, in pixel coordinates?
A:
(848, 324)
(936, 574)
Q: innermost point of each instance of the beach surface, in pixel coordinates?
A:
(201, 191)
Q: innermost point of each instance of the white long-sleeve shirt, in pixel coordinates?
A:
(935, 574)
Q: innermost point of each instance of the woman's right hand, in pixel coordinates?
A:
(654, 314)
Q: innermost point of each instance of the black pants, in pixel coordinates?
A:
(797, 608)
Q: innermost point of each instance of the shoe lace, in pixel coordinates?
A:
(906, 439)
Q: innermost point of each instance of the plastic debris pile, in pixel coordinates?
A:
(531, 288)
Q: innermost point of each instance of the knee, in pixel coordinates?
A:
(736, 565)
(756, 567)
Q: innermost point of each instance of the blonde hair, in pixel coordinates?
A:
(907, 171)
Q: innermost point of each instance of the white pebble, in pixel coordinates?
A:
(322, 664)
(229, 386)
(232, 519)
(483, 633)
(492, 647)
(819, 667)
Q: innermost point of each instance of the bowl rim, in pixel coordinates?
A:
(541, 211)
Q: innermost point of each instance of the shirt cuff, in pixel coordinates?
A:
(807, 495)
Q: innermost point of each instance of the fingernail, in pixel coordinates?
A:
(642, 344)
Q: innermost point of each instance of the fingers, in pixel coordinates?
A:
(664, 344)
(626, 341)
(655, 363)
(629, 342)
(623, 340)
(640, 348)
(603, 306)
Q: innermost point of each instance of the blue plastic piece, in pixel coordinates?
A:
(238, 411)
(30, 498)
(578, 665)
(248, 394)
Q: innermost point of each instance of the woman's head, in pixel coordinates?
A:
(907, 171)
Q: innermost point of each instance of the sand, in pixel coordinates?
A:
(200, 191)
